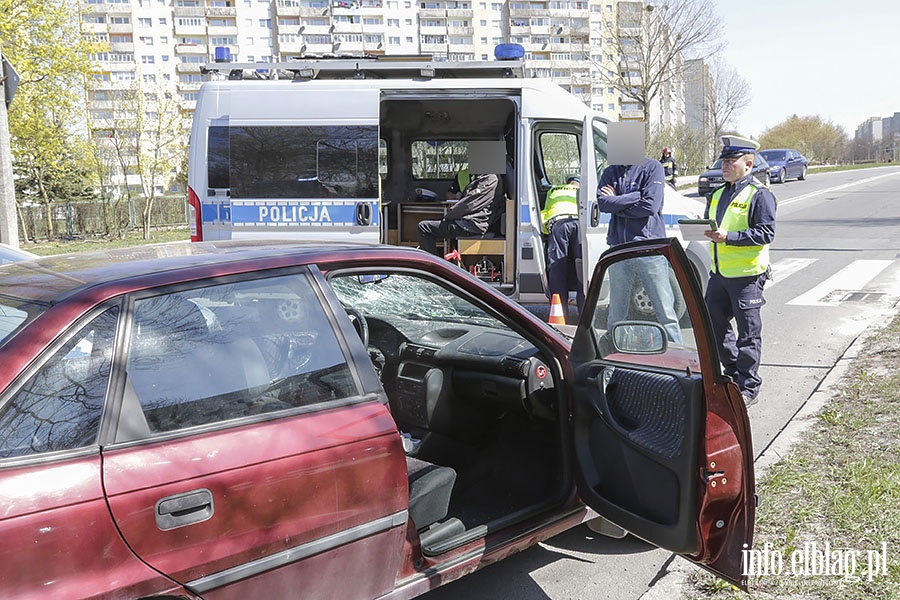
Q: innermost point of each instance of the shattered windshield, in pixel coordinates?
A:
(410, 298)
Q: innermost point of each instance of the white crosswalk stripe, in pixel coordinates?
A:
(784, 268)
(852, 278)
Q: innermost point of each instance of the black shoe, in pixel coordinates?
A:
(748, 401)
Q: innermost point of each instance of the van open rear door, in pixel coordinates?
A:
(593, 224)
(299, 166)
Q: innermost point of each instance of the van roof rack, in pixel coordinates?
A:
(367, 67)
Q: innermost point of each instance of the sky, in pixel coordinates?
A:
(836, 59)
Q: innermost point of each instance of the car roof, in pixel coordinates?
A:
(50, 279)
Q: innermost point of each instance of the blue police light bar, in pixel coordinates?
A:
(509, 52)
(223, 54)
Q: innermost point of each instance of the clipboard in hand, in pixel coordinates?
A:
(692, 229)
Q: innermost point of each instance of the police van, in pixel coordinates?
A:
(363, 148)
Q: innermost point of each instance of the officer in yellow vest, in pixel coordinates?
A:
(560, 221)
(744, 211)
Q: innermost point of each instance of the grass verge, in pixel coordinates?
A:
(132, 238)
(840, 485)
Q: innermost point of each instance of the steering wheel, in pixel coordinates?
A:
(359, 324)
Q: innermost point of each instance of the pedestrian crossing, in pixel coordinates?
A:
(859, 281)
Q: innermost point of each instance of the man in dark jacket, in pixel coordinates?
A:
(669, 166)
(633, 197)
(479, 207)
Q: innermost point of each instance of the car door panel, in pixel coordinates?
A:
(643, 448)
(244, 446)
(662, 439)
(50, 509)
(280, 492)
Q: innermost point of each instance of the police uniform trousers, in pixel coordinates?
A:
(563, 249)
(738, 298)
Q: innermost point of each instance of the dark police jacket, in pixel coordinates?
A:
(481, 204)
(636, 208)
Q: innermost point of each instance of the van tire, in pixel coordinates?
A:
(641, 307)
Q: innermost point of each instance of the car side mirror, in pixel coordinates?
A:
(639, 337)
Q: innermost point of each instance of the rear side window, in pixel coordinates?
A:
(434, 159)
(228, 351)
(294, 161)
(59, 407)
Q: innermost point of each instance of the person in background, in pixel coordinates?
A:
(559, 220)
(670, 167)
(480, 204)
(633, 196)
(744, 211)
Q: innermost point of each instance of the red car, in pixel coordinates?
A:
(233, 421)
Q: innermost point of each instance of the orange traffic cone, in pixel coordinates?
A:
(557, 316)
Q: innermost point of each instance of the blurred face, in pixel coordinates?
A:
(734, 169)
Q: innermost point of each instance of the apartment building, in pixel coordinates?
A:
(165, 42)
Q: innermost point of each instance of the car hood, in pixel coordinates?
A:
(712, 173)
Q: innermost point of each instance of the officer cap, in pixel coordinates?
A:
(573, 179)
(733, 146)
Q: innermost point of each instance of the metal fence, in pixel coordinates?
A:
(84, 219)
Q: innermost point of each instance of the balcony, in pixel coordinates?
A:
(187, 68)
(121, 47)
(121, 28)
(461, 48)
(190, 29)
(191, 49)
(188, 86)
(432, 13)
(290, 47)
(426, 48)
(189, 11)
(455, 13)
(221, 11)
(225, 31)
(318, 48)
(288, 11)
(467, 31)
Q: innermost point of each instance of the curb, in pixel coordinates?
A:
(668, 585)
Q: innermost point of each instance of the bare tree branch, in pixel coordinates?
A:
(651, 41)
(728, 95)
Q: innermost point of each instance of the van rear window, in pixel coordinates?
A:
(294, 161)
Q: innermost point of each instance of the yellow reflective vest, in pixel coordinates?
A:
(736, 261)
(561, 200)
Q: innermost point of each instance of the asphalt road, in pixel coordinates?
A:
(837, 273)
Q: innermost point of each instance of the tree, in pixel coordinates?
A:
(651, 42)
(690, 147)
(146, 135)
(727, 96)
(819, 140)
(44, 42)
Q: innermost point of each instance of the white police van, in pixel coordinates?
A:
(362, 148)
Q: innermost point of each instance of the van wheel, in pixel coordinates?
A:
(642, 307)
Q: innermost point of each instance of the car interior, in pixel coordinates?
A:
(474, 401)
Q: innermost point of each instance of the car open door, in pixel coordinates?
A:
(661, 437)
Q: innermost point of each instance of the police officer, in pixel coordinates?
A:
(744, 211)
(560, 221)
(669, 166)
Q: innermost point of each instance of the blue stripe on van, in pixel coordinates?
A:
(297, 213)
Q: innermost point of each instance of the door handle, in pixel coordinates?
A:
(183, 509)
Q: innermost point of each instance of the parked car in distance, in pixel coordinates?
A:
(233, 420)
(712, 178)
(785, 164)
(9, 254)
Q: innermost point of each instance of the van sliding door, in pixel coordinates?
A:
(303, 163)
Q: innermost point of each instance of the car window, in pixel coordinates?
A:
(637, 291)
(420, 303)
(228, 351)
(771, 155)
(59, 407)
